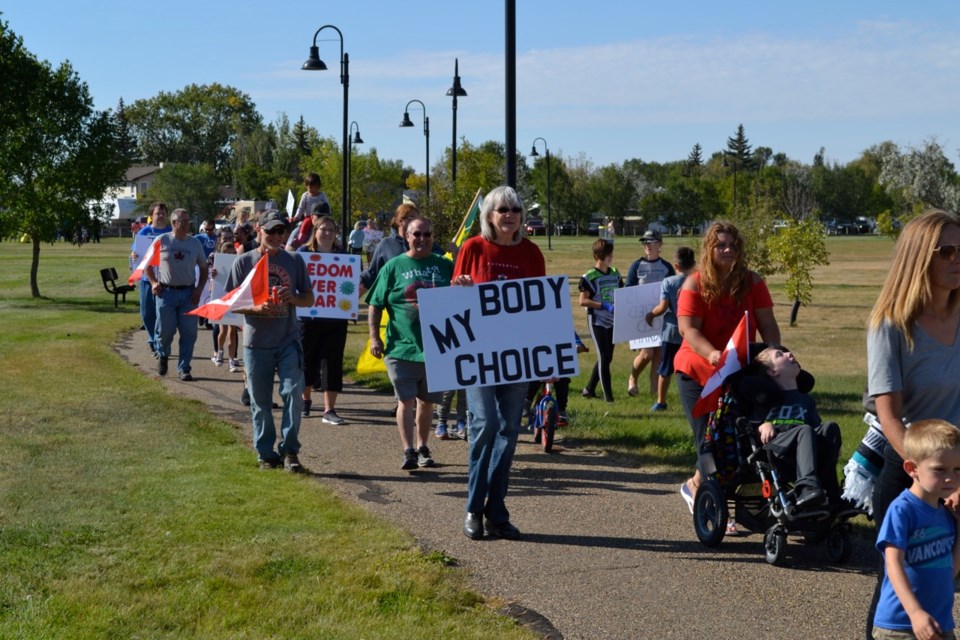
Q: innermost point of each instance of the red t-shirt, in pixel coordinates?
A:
(720, 320)
(485, 261)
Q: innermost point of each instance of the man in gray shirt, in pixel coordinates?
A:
(271, 343)
(177, 290)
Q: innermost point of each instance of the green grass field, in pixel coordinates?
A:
(125, 512)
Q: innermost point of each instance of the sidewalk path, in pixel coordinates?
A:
(608, 551)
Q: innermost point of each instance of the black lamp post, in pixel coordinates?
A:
(533, 153)
(426, 132)
(354, 139)
(314, 63)
(456, 91)
(734, 182)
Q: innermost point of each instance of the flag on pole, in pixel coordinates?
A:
(734, 358)
(468, 221)
(290, 203)
(366, 363)
(254, 290)
(150, 259)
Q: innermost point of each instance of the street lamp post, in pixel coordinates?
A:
(456, 91)
(314, 63)
(533, 153)
(426, 132)
(354, 138)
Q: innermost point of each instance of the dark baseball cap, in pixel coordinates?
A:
(273, 219)
(650, 236)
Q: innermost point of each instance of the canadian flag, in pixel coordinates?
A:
(734, 358)
(254, 290)
(151, 259)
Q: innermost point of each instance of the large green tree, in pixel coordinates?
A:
(57, 153)
(193, 187)
(197, 124)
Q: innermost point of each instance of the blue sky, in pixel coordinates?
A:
(607, 79)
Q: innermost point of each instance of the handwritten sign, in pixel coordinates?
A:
(497, 332)
(335, 280)
(631, 306)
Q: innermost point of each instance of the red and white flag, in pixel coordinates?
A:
(734, 358)
(150, 259)
(254, 290)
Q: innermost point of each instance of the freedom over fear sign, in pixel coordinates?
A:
(335, 280)
(497, 332)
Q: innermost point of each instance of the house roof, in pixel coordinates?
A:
(135, 173)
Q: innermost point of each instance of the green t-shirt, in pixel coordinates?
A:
(395, 290)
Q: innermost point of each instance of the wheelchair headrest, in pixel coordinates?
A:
(753, 386)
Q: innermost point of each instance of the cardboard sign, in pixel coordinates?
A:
(631, 306)
(222, 265)
(497, 333)
(335, 280)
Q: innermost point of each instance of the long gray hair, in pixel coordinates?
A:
(500, 197)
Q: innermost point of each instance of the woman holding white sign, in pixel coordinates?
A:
(323, 338)
(710, 306)
(500, 252)
(395, 290)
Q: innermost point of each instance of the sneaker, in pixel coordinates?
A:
(441, 431)
(687, 495)
(409, 459)
(162, 366)
(732, 528)
(331, 417)
(633, 391)
(306, 408)
(423, 457)
(461, 431)
(658, 406)
(586, 393)
(562, 420)
(292, 463)
(218, 358)
(185, 376)
(268, 464)
(234, 365)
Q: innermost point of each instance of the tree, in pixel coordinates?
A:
(197, 124)
(193, 187)
(614, 191)
(796, 250)
(57, 153)
(695, 160)
(920, 177)
(738, 149)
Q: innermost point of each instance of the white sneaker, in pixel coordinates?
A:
(218, 358)
(234, 365)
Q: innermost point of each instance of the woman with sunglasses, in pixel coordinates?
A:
(913, 348)
(500, 252)
(395, 290)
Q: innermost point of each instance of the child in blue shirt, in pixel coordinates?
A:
(918, 539)
(670, 338)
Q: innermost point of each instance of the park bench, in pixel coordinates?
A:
(109, 277)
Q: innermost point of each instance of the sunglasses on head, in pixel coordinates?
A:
(947, 252)
(509, 209)
(276, 231)
(422, 234)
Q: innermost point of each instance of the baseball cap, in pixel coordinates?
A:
(650, 236)
(273, 219)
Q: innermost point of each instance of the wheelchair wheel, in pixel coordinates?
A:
(839, 544)
(710, 513)
(775, 545)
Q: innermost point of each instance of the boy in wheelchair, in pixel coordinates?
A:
(793, 432)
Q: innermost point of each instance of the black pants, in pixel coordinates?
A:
(812, 453)
(323, 343)
(603, 340)
(890, 483)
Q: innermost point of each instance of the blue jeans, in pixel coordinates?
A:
(148, 314)
(172, 308)
(494, 415)
(261, 365)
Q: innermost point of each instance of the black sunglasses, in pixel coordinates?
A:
(509, 209)
(276, 231)
(422, 234)
(947, 252)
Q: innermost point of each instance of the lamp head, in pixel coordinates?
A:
(356, 137)
(406, 120)
(533, 152)
(456, 89)
(314, 63)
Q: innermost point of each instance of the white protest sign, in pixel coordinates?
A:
(140, 246)
(497, 332)
(335, 280)
(631, 305)
(223, 265)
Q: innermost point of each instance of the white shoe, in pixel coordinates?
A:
(218, 358)
(234, 365)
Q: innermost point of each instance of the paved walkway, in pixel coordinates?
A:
(609, 549)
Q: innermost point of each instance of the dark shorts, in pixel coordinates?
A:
(667, 351)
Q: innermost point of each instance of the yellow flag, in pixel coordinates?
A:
(366, 363)
(463, 233)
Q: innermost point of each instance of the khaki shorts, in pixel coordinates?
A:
(410, 380)
(890, 634)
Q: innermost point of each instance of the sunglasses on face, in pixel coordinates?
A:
(947, 252)
(509, 210)
(422, 234)
(276, 231)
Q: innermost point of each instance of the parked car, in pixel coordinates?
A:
(837, 228)
(536, 227)
(593, 229)
(568, 228)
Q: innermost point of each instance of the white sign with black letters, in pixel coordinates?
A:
(631, 305)
(497, 332)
